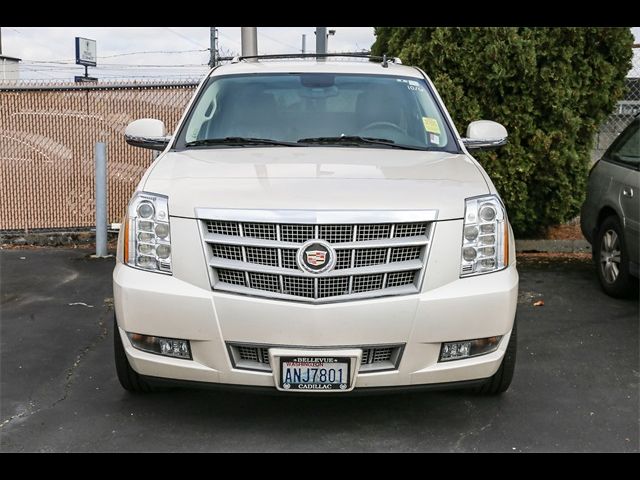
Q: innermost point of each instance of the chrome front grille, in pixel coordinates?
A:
(373, 232)
(259, 258)
(333, 286)
(336, 233)
(263, 256)
(256, 357)
(232, 277)
(223, 228)
(297, 233)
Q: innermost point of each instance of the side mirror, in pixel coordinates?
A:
(485, 134)
(147, 133)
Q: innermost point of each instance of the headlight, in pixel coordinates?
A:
(147, 243)
(485, 236)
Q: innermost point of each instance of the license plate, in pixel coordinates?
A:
(314, 373)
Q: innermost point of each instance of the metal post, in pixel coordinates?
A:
(101, 199)
(213, 46)
(304, 42)
(249, 40)
(321, 40)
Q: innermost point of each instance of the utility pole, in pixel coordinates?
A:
(0, 40)
(321, 40)
(213, 46)
(249, 40)
(304, 42)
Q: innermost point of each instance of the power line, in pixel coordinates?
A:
(154, 52)
(228, 38)
(278, 41)
(53, 68)
(31, 39)
(184, 37)
(72, 60)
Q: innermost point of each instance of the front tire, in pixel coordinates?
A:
(128, 377)
(499, 382)
(611, 259)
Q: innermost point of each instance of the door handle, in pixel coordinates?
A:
(627, 192)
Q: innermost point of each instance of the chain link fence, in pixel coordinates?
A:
(47, 139)
(625, 110)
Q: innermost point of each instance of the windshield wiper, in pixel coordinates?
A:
(240, 141)
(358, 140)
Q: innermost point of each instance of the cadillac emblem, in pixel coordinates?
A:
(316, 256)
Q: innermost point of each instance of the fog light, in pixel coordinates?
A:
(469, 253)
(146, 262)
(145, 237)
(145, 226)
(171, 347)
(468, 348)
(489, 251)
(163, 251)
(487, 213)
(488, 240)
(471, 233)
(145, 248)
(146, 210)
(162, 230)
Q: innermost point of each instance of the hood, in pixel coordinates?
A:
(316, 178)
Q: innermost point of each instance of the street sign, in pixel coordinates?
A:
(81, 79)
(86, 52)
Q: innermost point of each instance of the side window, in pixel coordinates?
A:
(203, 113)
(628, 150)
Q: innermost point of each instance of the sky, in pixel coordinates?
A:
(182, 51)
(48, 53)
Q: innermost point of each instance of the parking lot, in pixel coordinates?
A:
(575, 387)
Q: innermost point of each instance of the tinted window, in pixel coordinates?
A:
(627, 148)
(290, 107)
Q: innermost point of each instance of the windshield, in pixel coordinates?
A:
(306, 109)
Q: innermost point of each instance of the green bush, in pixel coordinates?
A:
(550, 87)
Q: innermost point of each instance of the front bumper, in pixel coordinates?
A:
(184, 306)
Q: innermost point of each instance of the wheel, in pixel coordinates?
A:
(128, 377)
(499, 382)
(612, 262)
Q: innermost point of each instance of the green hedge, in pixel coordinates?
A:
(550, 87)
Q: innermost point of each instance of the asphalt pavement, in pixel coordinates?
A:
(575, 386)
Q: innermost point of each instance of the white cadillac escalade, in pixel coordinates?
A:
(316, 226)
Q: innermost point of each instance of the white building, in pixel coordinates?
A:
(9, 68)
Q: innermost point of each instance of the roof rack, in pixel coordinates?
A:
(383, 59)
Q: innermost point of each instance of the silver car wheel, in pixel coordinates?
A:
(610, 256)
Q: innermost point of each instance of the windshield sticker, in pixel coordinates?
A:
(431, 125)
(433, 138)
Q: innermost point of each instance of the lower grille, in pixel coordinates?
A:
(374, 357)
(253, 354)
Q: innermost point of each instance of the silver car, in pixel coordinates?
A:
(610, 213)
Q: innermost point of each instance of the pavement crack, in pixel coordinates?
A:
(25, 413)
(102, 334)
(69, 377)
(473, 432)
